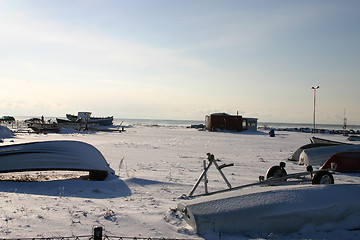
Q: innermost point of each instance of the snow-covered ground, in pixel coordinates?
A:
(154, 167)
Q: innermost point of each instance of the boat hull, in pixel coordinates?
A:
(44, 127)
(343, 162)
(105, 121)
(264, 210)
(318, 156)
(54, 155)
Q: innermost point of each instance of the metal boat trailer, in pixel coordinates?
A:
(276, 175)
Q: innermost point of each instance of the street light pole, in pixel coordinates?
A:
(314, 88)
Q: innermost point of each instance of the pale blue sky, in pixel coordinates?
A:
(183, 59)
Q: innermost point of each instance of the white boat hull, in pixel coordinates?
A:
(282, 210)
(54, 155)
(318, 156)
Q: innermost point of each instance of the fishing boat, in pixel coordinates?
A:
(7, 119)
(60, 120)
(86, 117)
(44, 127)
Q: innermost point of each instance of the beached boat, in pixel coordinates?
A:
(267, 210)
(54, 155)
(343, 162)
(296, 155)
(44, 127)
(72, 117)
(7, 119)
(60, 120)
(86, 117)
(34, 120)
(316, 140)
(315, 143)
(318, 156)
(55, 127)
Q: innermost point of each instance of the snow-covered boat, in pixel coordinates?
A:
(86, 117)
(319, 155)
(271, 210)
(343, 162)
(54, 155)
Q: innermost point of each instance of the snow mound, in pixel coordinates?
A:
(6, 132)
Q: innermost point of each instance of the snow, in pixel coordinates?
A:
(5, 133)
(155, 166)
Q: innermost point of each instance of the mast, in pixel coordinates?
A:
(344, 124)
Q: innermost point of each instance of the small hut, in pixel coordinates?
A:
(224, 121)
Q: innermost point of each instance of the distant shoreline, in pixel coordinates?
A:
(170, 122)
(308, 125)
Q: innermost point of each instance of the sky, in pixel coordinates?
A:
(166, 59)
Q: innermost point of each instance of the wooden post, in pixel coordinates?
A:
(205, 179)
(97, 233)
(86, 124)
(199, 179)
(222, 174)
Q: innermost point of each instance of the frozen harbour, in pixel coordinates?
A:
(155, 166)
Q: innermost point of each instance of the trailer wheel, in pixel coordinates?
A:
(323, 177)
(276, 172)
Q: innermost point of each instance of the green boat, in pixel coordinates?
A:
(8, 119)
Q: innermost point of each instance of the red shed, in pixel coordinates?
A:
(224, 121)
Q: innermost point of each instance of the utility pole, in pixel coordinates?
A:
(314, 88)
(344, 125)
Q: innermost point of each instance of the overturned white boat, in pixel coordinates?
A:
(296, 155)
(280, 210)
(54, 155)
(326, 141)
(319, 155)
(315, 143)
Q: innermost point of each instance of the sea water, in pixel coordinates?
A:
(187, 123)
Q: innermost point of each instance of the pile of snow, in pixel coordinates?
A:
(5, 133)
